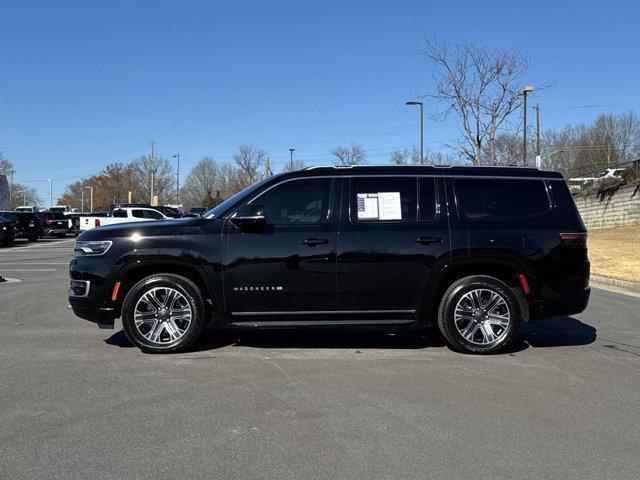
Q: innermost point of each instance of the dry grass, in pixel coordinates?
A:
(615, 252)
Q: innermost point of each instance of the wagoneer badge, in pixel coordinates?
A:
(258, 289)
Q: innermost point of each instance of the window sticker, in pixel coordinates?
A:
(367, 206)
(389, 206)
(379, 206)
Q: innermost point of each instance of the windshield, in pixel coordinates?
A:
(216, 211)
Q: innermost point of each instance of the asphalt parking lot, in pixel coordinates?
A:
(79, 402)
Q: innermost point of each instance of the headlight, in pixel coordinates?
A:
(91, 248)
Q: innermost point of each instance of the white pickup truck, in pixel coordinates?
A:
(122, 215)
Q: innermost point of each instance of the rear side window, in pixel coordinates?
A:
(152, 214)
(384, 199)
(497, 199)
(137, 213)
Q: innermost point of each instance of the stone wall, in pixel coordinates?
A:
(4, 193)
(599, 210)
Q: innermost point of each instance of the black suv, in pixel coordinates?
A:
(27, 225)
(477, 250)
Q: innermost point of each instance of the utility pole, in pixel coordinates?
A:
(538, 158)
(177, 157)
(50, 192)
(152, 171)
(82, 200)
(91, 189)
(524, 92)
(291, 150)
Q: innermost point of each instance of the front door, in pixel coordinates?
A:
(393, 235)
(288, 265)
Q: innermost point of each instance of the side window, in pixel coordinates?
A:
(297, 202)
(383, 199)
(119, 214)
(428, 199)
(152, 214)
(137, 213)
(496, 199)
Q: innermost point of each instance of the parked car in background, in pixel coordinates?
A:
(54, 224)
(27, 225)
(68, 212)
(476, 251)
(7, 231)
(196, 212)
(121, 215)
(26, 208)
(166, 210)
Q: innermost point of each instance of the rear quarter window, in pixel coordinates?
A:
(501, 199)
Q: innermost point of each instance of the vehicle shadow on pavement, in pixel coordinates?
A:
(556, 332)
(553, 332)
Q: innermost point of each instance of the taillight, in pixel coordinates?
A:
(97, 223)
(574, 239)
(47, 221)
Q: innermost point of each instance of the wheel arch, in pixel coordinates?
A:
(504, 269)
(131, 274)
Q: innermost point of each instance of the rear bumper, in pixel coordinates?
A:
(561, 306)
(104, 317)
(55, 231)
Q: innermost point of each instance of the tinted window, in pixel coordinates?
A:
(382, 199)
(427, 199)
(489, 199)
(297, 201)
(137, 213)
(152, 214)
(119, 213)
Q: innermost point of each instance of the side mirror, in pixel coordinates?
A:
(249, 217)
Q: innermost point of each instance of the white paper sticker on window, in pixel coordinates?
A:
(389, 206)
(367, 206)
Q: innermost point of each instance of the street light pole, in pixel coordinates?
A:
(50, 192)
(91, 201)
(82, 201)
(524, 92)
(291, 150)
(177, 157)
(421, 128)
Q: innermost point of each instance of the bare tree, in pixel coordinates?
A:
(249, 161)
(480, 87)
(354, 154)
(163, 177)
(23, 195)
(202, 180)
(293, 164)
(6, 167)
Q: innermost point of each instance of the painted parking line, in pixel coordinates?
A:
(28, 269)
(17, 262)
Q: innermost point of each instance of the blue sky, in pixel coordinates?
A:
(87, 83)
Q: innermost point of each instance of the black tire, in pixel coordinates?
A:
(192, 295)
(455, 294)
(33, 238)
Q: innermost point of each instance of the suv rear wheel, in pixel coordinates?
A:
(163, 313)
(479, 314)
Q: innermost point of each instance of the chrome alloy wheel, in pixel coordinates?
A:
(162, 315)
(482, 317)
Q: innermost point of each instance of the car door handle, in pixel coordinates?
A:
(314, 242)
(428, 240)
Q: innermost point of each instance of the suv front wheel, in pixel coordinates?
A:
(163, 313)
(479, 314)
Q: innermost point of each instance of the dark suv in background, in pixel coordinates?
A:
(27, 225)
(475, 250)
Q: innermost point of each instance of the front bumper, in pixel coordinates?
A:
(560, 306)
(104, 317)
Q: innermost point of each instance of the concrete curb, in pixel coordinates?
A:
(614, 284)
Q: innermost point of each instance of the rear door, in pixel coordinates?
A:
(393, 235)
